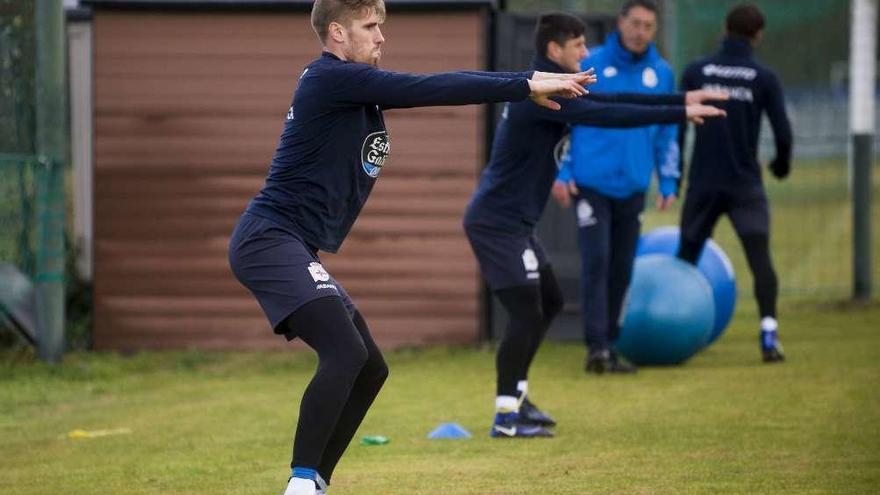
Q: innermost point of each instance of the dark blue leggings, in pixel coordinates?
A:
(531, 309)
(351, 370)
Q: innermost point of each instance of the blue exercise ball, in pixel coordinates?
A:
(713, 263)
(669, 312)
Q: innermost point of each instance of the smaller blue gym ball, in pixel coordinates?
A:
(669, 312)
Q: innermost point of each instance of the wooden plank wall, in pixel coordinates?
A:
(188, 109)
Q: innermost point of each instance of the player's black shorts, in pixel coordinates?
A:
(507, 259)
(746, 208)
(279, 268)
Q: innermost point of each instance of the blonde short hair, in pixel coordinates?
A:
(325, 12)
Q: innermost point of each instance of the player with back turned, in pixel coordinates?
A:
(725, 175)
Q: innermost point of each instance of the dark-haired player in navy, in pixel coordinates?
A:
(333, 147)
(725, 175)
(513, 190)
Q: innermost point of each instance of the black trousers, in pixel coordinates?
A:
(748, 210)
(531, 309)
(608, 233)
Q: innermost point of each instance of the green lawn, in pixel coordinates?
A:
(221, 423)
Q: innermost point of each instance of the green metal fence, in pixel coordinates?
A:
(33, 152)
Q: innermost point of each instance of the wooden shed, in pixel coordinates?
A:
(189, 101)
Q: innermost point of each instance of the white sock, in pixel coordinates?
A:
(322, 485)
(300, 486)
(769, 324)
(506, 404)
(522, 387)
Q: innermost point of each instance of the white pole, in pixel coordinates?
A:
(862, 69)
(862, 76)
(80, 46)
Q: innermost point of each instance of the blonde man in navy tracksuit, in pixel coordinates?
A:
(333, 147)
(725, 175)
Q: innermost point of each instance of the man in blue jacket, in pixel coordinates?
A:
(608, 172)
(725, 175)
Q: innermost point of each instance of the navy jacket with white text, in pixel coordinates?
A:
(725, 151)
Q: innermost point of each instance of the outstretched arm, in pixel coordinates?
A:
(694, 97)
(503, 75)
(584, 77)
(365, 84)
(586, 112)
(638, 98)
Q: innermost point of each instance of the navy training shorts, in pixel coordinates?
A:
(281, 270)
(507, 259)
(746, 207)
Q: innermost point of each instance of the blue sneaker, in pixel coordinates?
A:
(771, 349)
(529, 413)
(509, 425)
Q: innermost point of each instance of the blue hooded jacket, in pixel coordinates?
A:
(618, 162)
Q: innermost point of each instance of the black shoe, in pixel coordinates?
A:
(529, 413)
(771, 349)
(598, 361)
(621, 365)
(509, 425)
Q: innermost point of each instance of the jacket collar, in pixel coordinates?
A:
(621, 55)
(736, 47)
(329, 55)
(544, 64)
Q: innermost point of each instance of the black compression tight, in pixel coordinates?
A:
(531, 309)
(757, 249)
(350, 373)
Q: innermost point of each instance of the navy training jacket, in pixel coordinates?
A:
(334, 143)
(725, 151)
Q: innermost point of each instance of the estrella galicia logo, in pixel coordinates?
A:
(374, 152)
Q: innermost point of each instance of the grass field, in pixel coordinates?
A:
(221, 423)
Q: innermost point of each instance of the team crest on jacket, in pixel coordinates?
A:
(562, 150)
(374, 152)
(649, 77)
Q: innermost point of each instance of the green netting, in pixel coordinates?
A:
(18, 194)
(17, 116)
(806, 42)
(17, 76)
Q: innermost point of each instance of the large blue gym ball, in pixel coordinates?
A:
(669, 312)
(713, 263)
